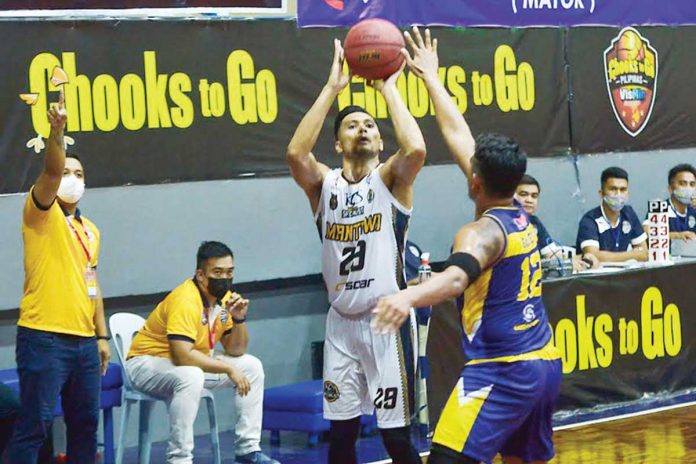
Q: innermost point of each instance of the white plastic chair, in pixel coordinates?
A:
(123, 327)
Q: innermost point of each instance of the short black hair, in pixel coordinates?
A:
(613, 172)
(75, 156)
(529, 180)
(211, 249)
(683, 167)
(500, 162)
(345, 112)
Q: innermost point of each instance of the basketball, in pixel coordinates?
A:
(373, 49)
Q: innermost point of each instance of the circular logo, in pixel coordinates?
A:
(692, 222)
(528, 313)
(626, 227)
(331, 392)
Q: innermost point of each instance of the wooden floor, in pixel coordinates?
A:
(667, 437)
(660, 438)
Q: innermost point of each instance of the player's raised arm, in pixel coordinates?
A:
(46, 186)
(424, 63)
(304, 167)
(401, 169)
(477, 246)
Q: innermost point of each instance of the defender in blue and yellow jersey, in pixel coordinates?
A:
(504, 398)
(502, 314)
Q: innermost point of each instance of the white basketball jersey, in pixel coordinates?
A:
(363, 232)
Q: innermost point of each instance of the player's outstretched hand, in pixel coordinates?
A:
(337, 78)
(424, 61)
(57, 116)
(390, 313)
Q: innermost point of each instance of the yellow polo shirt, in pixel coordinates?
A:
(181, 315)
(55, 292)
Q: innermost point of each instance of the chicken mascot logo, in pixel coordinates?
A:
(630, 65)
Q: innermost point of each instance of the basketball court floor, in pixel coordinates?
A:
(666, 435)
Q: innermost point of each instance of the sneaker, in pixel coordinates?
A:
(255, 457)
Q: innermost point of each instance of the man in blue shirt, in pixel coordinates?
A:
(612, 231)
(527, 194)
(682, 191)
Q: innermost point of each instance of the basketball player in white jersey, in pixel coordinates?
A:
(362, 212)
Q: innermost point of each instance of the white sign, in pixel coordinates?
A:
(658, 232)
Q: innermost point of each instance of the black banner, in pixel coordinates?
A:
(621, 335)
(648, 72)
(171, 101)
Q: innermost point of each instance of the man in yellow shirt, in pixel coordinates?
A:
(173, 356)
(62, 341)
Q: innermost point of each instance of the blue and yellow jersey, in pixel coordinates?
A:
(503, 317)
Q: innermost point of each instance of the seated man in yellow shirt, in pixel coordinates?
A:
(173, 356)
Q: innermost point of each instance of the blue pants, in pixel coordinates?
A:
(51, 364)
(502, 407)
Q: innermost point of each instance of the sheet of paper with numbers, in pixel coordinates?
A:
(658, 231)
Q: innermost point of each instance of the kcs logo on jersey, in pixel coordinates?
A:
(630, 65)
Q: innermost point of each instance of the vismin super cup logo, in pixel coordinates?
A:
(630, 67)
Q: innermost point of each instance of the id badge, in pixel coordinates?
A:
(91, 281)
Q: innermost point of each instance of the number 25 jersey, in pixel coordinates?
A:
(363, 232)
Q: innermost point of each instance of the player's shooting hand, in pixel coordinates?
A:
(337, 78)
(424, 62)
(390, 81)
(237, 306)
(57, 116)
(390, 313)
(240, 380)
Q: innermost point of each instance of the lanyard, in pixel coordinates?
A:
(79, 239)
(211, 330)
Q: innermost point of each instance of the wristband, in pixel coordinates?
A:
(239, 321)
(104, 337)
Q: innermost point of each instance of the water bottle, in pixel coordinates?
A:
(424, 268)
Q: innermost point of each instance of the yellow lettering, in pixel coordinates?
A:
(40, 71)
(603, 326)
(652, 330)
(182, 114)
(525, 86)
(672, 327)
(106, 110)
(156, 88)
(78, 97)
(217, 99)
(505, 84)
(242, 94)
(566, 342)
(418, 99)
(267, 96)
(132, 98)
(455, 77)
(586, 349)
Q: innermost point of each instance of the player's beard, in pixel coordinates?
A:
(365, 152)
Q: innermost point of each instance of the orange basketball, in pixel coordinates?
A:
(373, 49)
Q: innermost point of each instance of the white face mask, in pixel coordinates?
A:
(71, 189)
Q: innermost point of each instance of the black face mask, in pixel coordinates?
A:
(219, 287)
